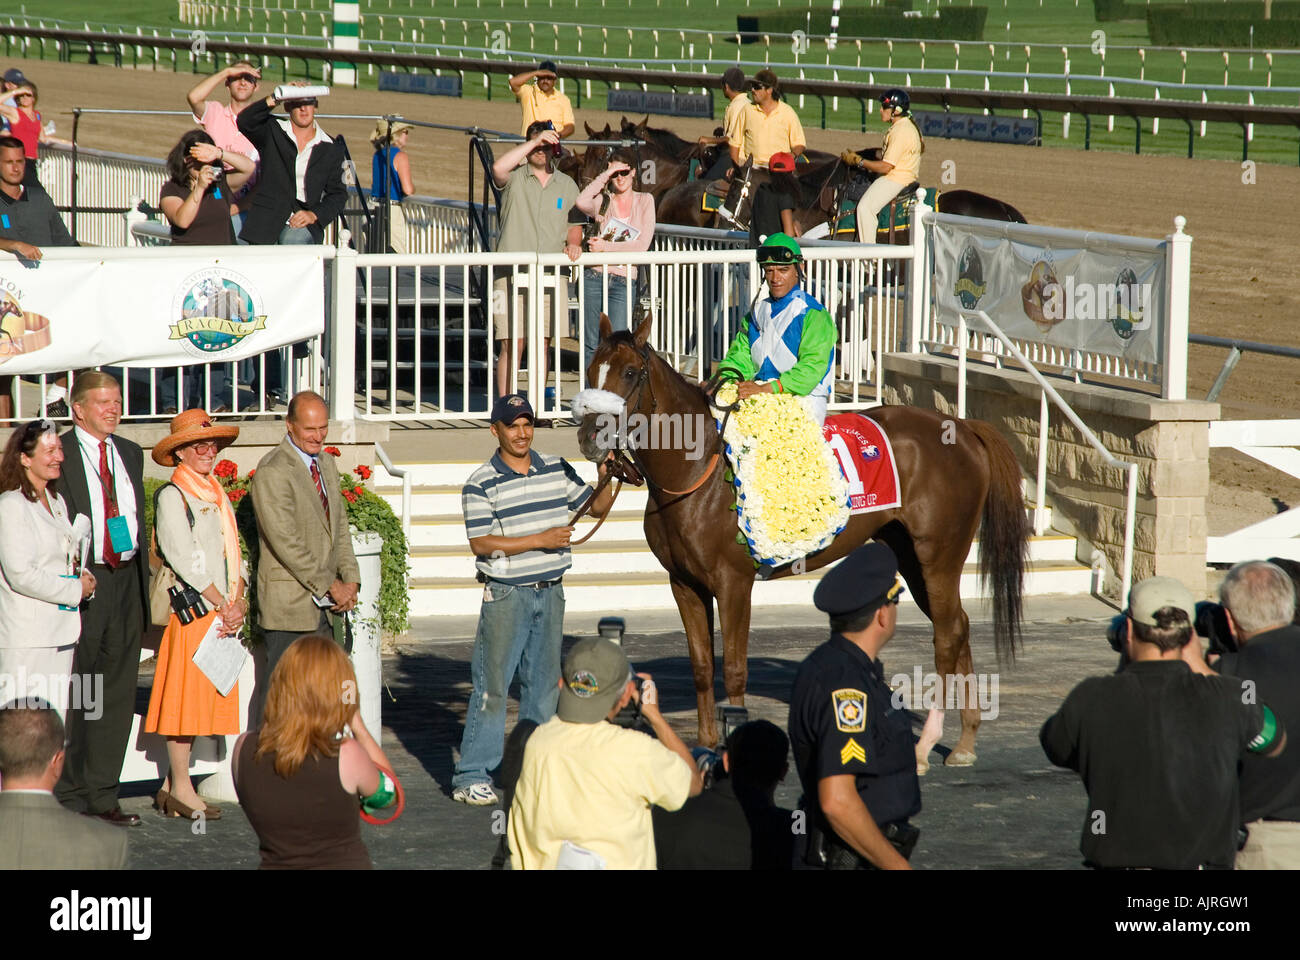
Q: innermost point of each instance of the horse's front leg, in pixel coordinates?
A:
(734, 597)
(696, 610)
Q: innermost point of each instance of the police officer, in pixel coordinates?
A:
(853, 749)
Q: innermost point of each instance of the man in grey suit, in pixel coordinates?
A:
(103, 478)
(35, 832)
(306, 565)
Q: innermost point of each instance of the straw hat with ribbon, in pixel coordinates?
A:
(191, 426)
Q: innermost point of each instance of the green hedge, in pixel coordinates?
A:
(955, 23)
(1170, 28)
(1236, 10)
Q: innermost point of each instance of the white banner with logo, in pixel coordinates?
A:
(1107, 298)
(151, 311)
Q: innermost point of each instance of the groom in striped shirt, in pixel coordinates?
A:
(517, 508)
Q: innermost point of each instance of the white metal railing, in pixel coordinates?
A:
(104, 179)
(981, 318)
(404, 475)
(1173, 298)
(1273, 442)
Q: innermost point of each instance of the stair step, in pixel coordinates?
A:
(601, 592)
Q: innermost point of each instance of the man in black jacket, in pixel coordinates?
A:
(103, 478)
(1260, 601)
(295, 201)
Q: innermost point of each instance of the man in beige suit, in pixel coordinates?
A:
(36, 833)
(306, 565)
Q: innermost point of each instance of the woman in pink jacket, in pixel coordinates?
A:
(625, 223)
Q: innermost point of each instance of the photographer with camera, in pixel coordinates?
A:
(1260, 600)
(584, 794)
(853, 749)
(1157, 745)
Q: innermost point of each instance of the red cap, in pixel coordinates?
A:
(781, 163)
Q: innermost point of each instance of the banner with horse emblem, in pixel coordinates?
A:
(1105, 299)
(67, 311)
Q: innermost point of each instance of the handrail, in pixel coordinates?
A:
(1235, 349)
(1130, 501)
(404, 475)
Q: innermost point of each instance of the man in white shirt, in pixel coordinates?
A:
(103, 478)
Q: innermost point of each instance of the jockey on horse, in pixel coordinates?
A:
(899, 166)
(787, 339)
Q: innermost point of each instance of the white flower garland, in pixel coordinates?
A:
(791, 498)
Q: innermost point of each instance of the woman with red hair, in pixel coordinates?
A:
(300, 775)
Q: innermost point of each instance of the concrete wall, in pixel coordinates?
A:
(1168, 440)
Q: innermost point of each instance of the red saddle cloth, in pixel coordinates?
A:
(866, 460)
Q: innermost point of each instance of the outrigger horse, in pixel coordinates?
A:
(956, 477)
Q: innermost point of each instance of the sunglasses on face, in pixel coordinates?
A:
(205, 446)
(246, 77)
(623, 173)
(759, 86)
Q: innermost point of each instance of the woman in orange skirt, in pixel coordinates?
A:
(194, 525)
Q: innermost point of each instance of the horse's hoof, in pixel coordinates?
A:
(960, 758)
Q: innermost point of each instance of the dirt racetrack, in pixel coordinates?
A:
(1245, 272)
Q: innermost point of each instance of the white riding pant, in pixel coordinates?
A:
(877, 197)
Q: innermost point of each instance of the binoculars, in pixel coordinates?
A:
(187, 604)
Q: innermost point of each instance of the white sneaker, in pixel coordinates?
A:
(476, 795)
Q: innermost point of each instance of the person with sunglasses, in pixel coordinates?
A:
(768, 126)
(898, 167)
(241, 80)
(197, 538)
(625, 223)
(786, 343)
(852, 745)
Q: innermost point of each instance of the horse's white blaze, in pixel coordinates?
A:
(600, 375)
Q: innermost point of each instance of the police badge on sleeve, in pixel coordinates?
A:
(850, 710)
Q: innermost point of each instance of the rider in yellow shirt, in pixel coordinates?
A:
(543, 101)
(899, 165)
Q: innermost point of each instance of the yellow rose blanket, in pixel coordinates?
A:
(791, 496)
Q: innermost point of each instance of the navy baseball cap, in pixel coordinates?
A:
(14, 75)
(863, 581)
(548, 65)
(510, 408)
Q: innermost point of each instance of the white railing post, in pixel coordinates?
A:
(1040, 479)
(1178, 274)
(961, 366)
(341, 325)
(918, 283)
(132, 217)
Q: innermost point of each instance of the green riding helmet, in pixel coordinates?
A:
(781, 249)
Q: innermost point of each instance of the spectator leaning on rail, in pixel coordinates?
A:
(1158, 745)
(539, 214)
(1260, 602)
(899, 165)
(584, 795)
(390, 176)
(619, 211)
(28, 223)
(767, 126)
(787, 339)
(301, 189)
(220, 120)
(542, 102)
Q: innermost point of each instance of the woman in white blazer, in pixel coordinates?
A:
(41, 580)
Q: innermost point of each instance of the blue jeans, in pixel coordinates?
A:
(296, 235)
(619, 312)
(519, 628)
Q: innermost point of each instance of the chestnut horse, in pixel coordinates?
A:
(956, 476)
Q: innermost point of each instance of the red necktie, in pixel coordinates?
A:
(110, 504)
(320, 488)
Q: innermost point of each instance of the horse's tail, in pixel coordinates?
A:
(1004, 539)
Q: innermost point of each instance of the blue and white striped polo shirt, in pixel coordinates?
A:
(500, 502)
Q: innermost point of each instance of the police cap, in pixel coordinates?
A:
(863, 581)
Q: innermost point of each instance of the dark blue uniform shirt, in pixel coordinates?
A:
(842, 722)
